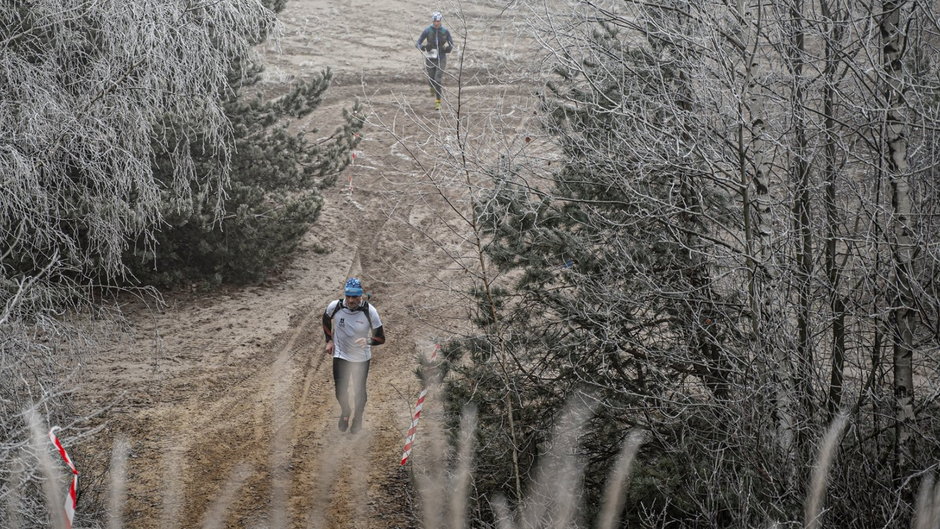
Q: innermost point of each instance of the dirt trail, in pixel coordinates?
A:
(232, 387)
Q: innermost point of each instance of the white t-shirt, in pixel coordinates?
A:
(347, 327)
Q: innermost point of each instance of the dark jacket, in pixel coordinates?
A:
(437, 38)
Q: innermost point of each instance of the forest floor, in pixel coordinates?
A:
(229, 392)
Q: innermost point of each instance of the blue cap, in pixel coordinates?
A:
(353, 287)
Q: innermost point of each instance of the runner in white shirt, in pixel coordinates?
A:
(352, 326)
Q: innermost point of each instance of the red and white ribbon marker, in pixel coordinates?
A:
(410, 438)
(352, 160)
(72, 500)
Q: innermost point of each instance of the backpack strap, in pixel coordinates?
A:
(364, 307)
(339, 305)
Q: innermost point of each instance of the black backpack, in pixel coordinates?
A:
(364, 307)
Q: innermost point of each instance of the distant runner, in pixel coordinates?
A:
(437, 43)
(352, 326)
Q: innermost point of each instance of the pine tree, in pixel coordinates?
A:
(272, 195)
(271, 199)
(613, 297)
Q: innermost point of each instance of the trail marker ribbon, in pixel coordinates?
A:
(410, 437)
(71, 502)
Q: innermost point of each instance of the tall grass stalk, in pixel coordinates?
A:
(323, 480)
(817, 492)
(118, 494)
(359, 478)
(555, 495)
(431, 480)
(217, 512)
(339, 451)
(614, 491)
(173, 468)
(927, 515)
(282, 423)
(503, 513)
(461, 479)
(40, 441)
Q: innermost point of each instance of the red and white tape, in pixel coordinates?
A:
(71, 502)
(410, 437)
(352, 160)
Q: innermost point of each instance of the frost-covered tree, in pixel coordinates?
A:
(86, 88)
(733, 234)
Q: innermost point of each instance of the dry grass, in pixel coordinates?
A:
(553, 501)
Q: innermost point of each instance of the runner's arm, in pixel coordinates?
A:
(424, 35)
(327, 327)
(450, 43)
(378, 336)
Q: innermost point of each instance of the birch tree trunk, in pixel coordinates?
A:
(895, 136)
(754, 168)
(801, 221)
(833, 15)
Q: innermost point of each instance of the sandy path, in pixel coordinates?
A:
(232, 387)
